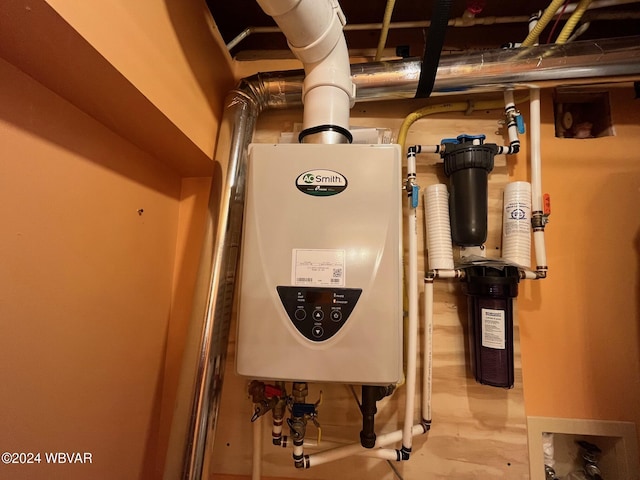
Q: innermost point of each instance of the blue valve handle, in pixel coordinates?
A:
(464, 138)
(520, 124)
(415, 196)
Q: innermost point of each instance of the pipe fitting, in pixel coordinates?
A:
(541, 272)
(426, 424)
(299, 392)
(298, 461)
(298, 427)
(404, 454)
(316, 51)
(313, 29)
(538, 221)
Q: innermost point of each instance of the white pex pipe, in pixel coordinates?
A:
(536, 177)
(385, 453)
(427, 364)
(256, 463)
(512, 126)
(409, 430)
(449, 273)
(412, 341)
(382, 441)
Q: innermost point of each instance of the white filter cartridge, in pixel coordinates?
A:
(516, 224)
(439, 248)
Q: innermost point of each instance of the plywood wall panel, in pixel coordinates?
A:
(478, 431)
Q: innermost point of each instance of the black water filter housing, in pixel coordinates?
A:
(490, 292)
(467, 163)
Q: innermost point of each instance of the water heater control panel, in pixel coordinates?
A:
(318, 313)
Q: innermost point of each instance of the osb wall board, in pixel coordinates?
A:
(478, 431)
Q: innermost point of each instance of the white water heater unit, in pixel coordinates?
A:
(321, 267)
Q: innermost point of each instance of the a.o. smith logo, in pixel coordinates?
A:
(321, 183)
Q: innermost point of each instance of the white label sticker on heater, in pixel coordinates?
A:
(493, 331)
(317, 268)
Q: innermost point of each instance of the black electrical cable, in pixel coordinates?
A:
(433, 47)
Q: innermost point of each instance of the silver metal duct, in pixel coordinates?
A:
(195, 416)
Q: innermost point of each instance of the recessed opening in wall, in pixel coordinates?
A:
(582, 114)
(616, 441)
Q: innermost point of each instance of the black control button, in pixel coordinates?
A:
(300, 314)
(317, 332)
(317, 315)
(336, 315)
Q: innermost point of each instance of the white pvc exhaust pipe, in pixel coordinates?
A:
(314, 33)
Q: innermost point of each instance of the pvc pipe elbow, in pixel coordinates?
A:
(314, 33)
(313, 48)
(333, 70)
(328, 92)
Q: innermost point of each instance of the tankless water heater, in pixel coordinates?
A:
(321, 272)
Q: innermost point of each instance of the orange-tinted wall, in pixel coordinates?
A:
(102, 220)
(579, 328)
(85, 285)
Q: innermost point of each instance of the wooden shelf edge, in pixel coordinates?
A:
(36, 40)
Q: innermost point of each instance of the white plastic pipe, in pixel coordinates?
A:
(510, 111)
(541, 252)
(314, 32)
(298, 450)
(449, 273)
(409, 429)
(536, 176)
(534, 128)
(382, 453)
(427, 363)
(412, 341)
(385, 440)
(276, 429)
(327, 92)
(428, 148)
(256, 464)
